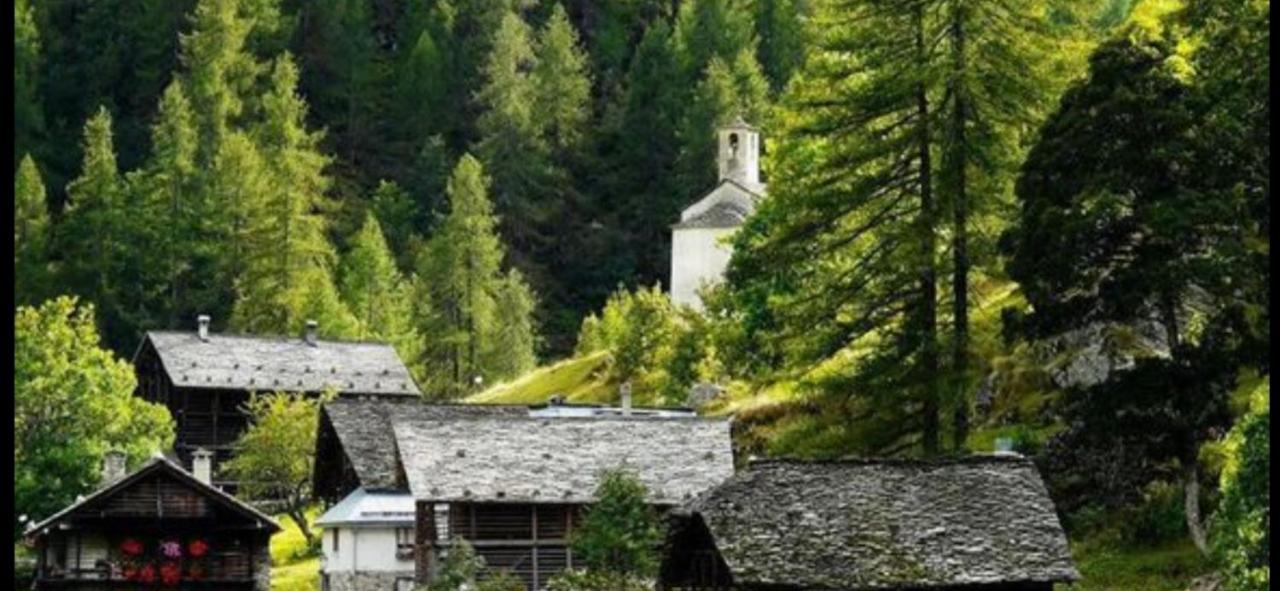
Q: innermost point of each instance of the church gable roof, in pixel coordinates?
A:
(720, 207)
(264, 363)
(887, 524)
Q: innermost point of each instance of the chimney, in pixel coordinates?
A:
(113, 466)
(1004, 447)
(625, 392)
(310, 335)
(202, 321)
(202, 465)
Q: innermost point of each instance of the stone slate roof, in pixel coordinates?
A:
(720, 215)
(157, 463)
(261, 363)
(364, 508)
(364, 429)
(560, 460)
(887, 524)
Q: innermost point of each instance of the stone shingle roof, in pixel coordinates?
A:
(887, 524)
(157, 463)
(720, 215)
(363, 427)
(560, 460)
(281, 364)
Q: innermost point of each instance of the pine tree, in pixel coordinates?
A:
(376, 293)
(707, 29)
(781, 30)
(648, 147)
(422, 87)
(286, 276)
(511, 144)
(30, 235)
(343, 76)
(90, 238)
(562, 83)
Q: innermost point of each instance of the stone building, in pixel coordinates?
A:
(699, 252)
(368, 542)
(982, 523)
(158, 527)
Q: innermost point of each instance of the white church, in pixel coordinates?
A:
(699, 242)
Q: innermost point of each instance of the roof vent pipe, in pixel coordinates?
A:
(625, 394)
(202, 465)
(113, 466)
(202, 322)
(310, 335)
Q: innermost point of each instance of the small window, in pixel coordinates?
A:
(335, 540)
(404, 536)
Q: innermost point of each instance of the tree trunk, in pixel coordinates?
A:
(928, 275)
(1191, 502)
(299, 518)
(960, 232)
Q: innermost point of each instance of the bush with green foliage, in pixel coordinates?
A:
(658, 347)
(1242, 540)
(620, 534)
(462, 569)
(583, 580)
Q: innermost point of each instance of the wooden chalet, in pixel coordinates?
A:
(157, 528)
(984, 523)
(515, 488)
(205, 379)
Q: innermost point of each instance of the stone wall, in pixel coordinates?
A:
(262, 566)
(370, 581)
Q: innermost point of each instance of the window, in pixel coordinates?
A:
(335, 540)
(404, 543)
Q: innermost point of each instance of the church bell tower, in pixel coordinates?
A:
(738, 158)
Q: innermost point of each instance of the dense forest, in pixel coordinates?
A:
(1040, 222)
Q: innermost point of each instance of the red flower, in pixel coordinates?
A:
(170, 573)
(197, 548)
(147, 574)
(131, 547)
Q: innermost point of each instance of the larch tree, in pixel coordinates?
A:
(92, 235)
(30, 234)
(459, 284)
(168, 198)
(287, 267)
(376, 293)
(28, 117)
(220, 70)
(513, 343)
(780, 26)
(841, 261)
(561, 83)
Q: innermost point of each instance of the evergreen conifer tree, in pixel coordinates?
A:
(30, 234)
(376, 293)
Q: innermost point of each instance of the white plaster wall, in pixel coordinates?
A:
(363, 549)
(699, 256)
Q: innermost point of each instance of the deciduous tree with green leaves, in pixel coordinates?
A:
(275, 456)
(620, 533)
(72, 401)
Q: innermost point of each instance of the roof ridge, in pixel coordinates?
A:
(1013, 458)
(268, 337)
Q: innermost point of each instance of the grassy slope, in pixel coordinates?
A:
(290, 570)
(580, 379)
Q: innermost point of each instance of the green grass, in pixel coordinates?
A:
(580, 379)
(291, 568)
(1169, 566)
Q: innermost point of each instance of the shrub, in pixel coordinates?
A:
(620, 533)
(581, 580)
(1242, 542)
